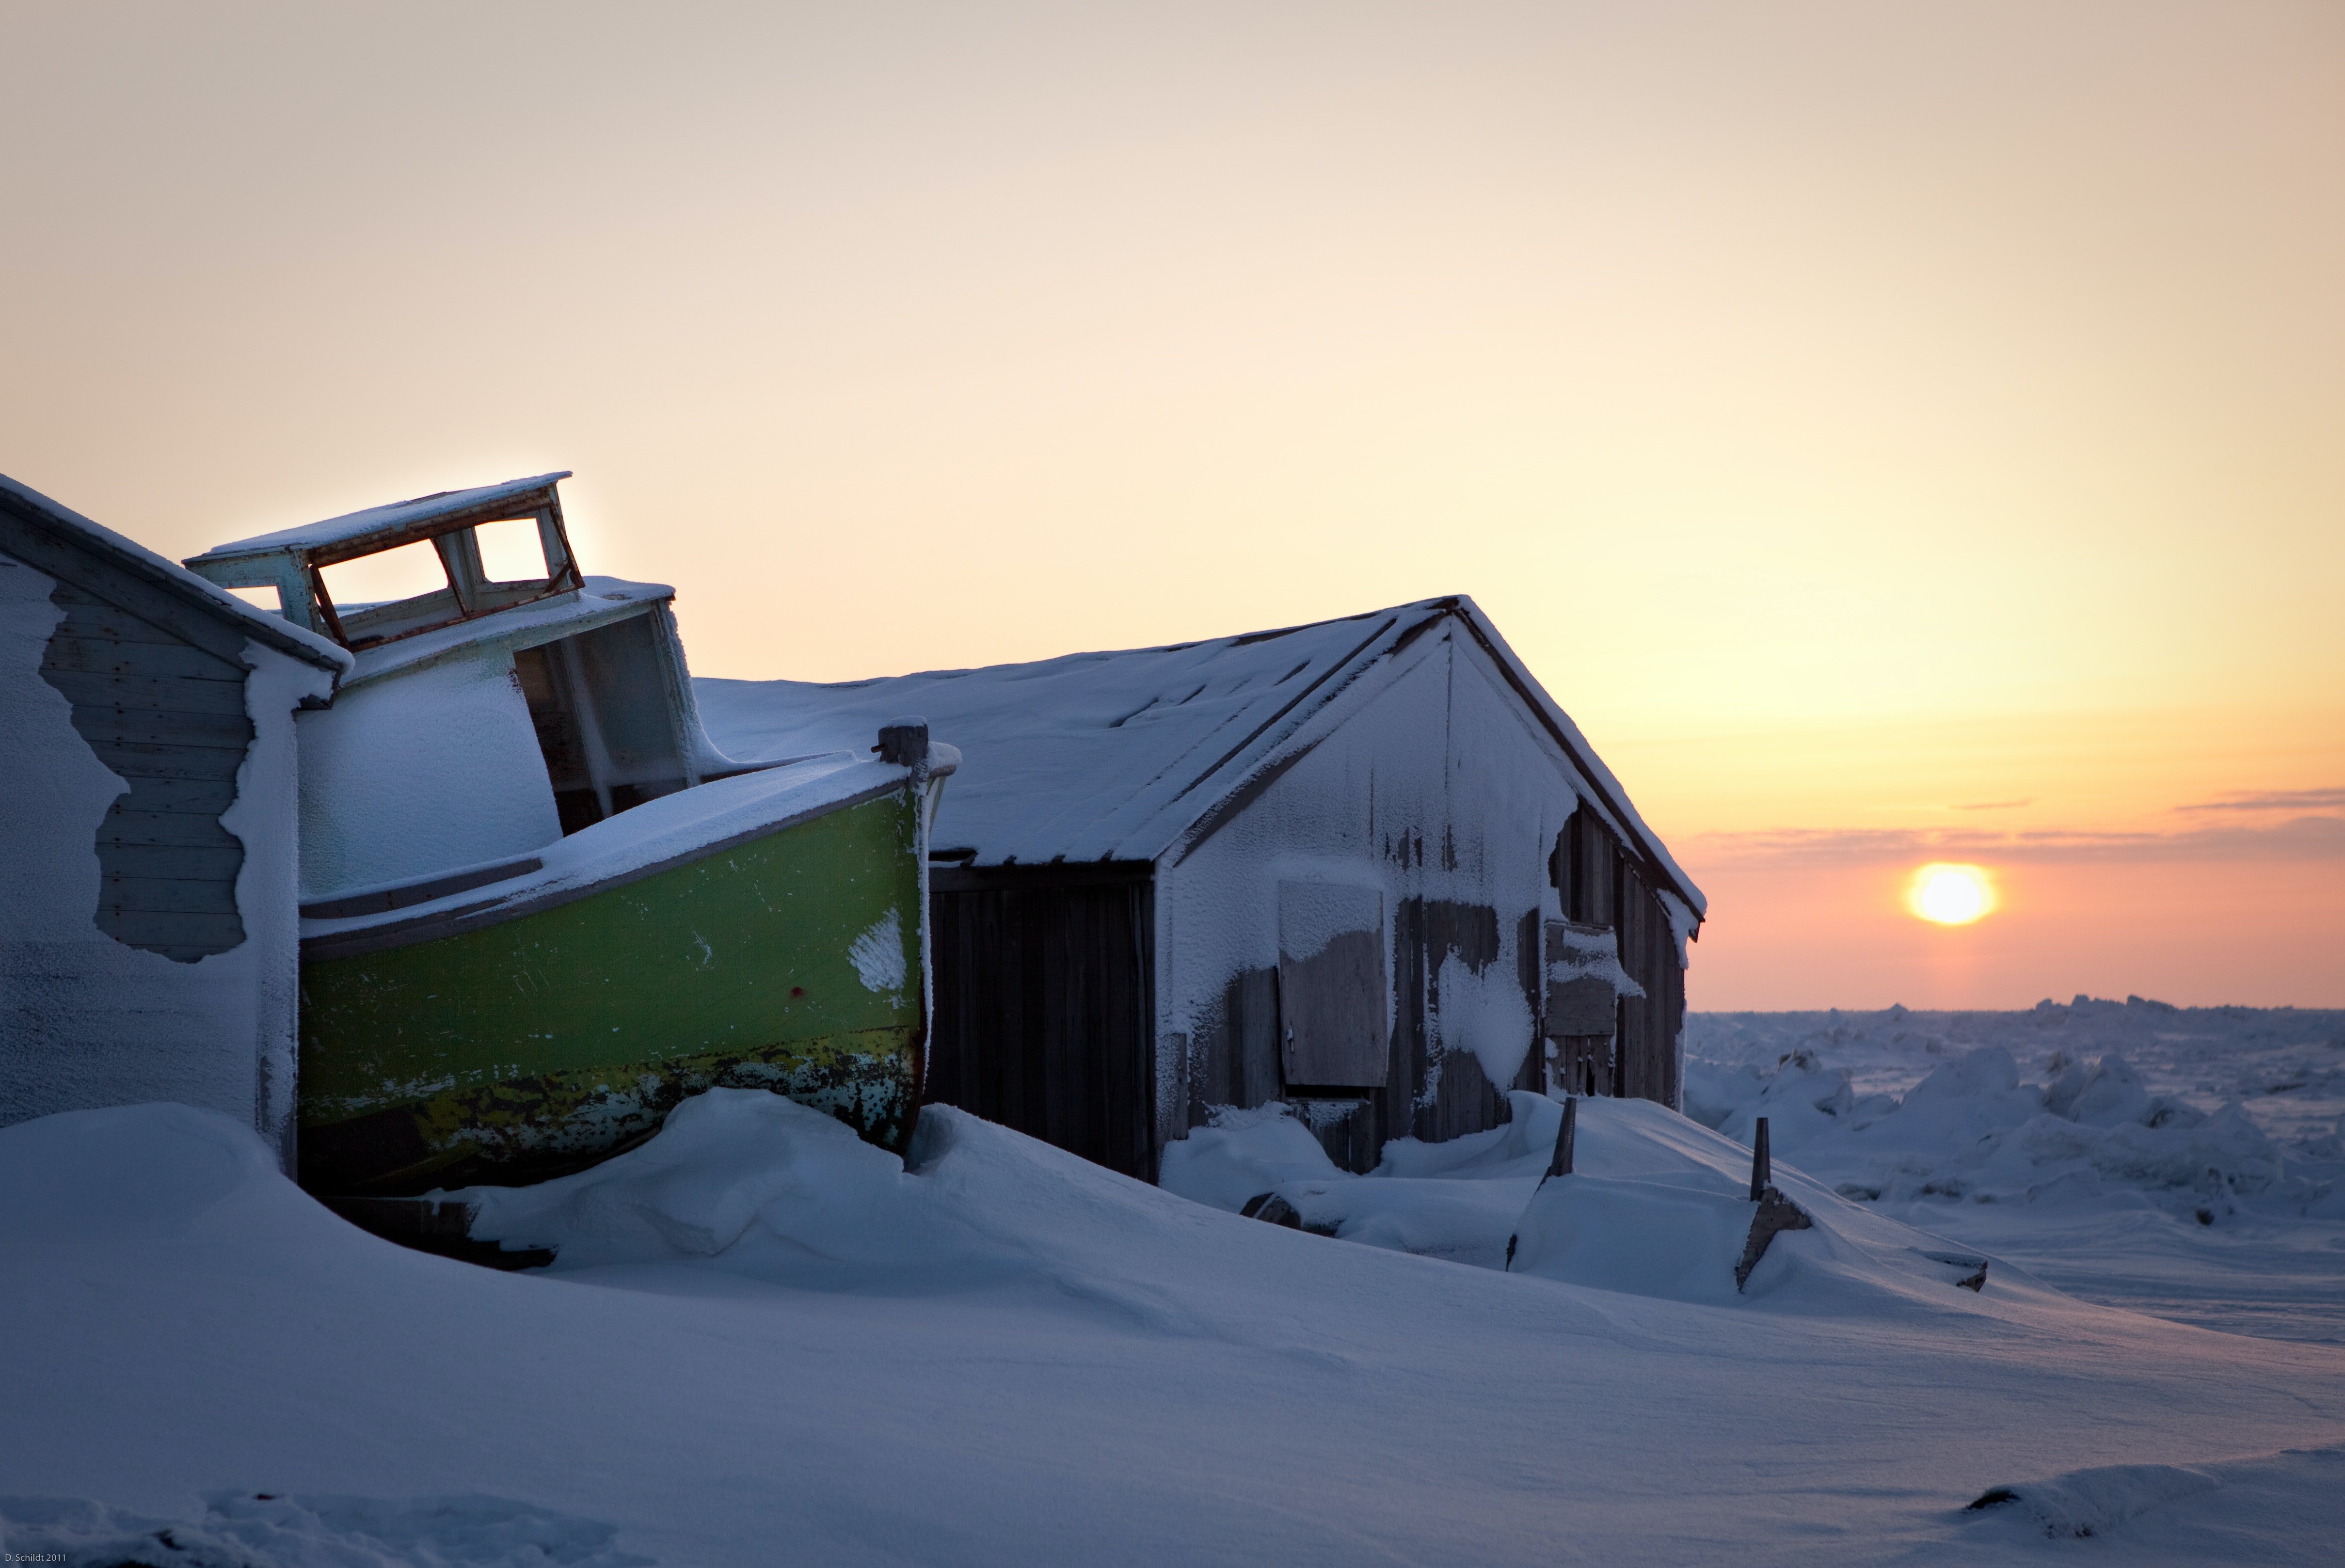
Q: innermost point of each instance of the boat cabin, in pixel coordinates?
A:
(502, 700)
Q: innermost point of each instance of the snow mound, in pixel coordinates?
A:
(2095, 1501)
(748, 1184)
(1457, 1201)
(263, 1530)
(148, 1173)
(1244, 1153)
(776, 1188)
(1657, 1206)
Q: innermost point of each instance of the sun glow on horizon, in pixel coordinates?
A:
(1950, 895)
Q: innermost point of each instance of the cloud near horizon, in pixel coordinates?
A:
(2316, 838)
(2274, 800)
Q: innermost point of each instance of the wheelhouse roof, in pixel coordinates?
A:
(1131, 755)
(35, 529)
(380, 527)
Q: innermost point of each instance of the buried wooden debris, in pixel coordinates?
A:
(1776, 1214)
(1270, 1208)
(1972, 1269)
(443, 1230)
(1566, 1135)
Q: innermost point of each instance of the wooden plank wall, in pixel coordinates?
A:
(1045, 1005)
(169, 718)
(1600, 883)
(1646, 1055)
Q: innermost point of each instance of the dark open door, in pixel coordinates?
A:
(1045, 1008)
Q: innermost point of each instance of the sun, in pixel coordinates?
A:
(1947, 894)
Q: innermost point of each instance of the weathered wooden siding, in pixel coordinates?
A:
(1045, 1005)
(1599, 884)
(169, 718)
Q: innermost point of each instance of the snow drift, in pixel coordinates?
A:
(1656, 1206)
(762, 1341)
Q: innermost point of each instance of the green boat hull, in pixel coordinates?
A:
(556, 1037)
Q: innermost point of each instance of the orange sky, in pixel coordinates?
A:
(1883, 426)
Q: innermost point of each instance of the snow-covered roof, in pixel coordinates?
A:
(73, 529)
(1116, 755)
(387, 522)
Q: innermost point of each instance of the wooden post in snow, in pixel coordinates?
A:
(1762, 1175)
(1565, 1135)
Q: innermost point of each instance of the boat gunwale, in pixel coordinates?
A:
(327, 946)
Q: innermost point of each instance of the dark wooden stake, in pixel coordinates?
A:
(1762, 1176)
(1564, 1137)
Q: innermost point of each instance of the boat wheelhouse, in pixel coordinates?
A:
(538, 907)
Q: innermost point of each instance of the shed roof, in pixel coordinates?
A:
(1120, 755)
(356, 532)
(46, 527)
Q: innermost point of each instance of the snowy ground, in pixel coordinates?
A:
(764, 1342)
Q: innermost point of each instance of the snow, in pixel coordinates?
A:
(1590, 952)
(428, 760)
(239, 1530)
(2188, 1161)
(670, 828)
(404, 779)
(1484, 1012)
(392, 516)
(764, 1340)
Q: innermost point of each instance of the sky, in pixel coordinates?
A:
(1896, 433)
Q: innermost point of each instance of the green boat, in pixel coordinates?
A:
(538, 909)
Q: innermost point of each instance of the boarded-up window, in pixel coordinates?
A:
(1332, 996)
(1580, 993)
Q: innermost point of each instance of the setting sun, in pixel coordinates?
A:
(1951, 895)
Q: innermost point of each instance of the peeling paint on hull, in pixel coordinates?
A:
(521, 1050)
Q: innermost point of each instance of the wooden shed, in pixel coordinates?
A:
(148, 938)
(1366, 866)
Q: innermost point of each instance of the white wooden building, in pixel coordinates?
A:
(148, 933)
